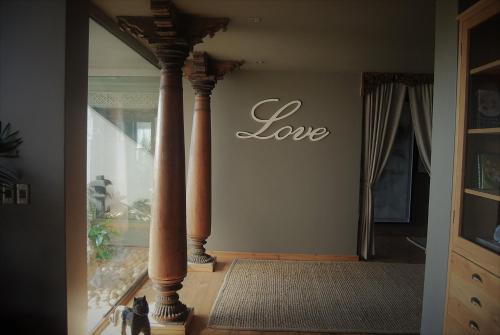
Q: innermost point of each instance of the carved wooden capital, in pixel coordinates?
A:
(170, 34)
(204, 71)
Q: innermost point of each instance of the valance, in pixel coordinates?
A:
(370, 80)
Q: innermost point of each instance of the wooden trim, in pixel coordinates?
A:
(124, 300)
(285, 256)
(481, 194)
(75, 147)
(492, 67)
(460, 137)
(484, 131)
(463, 44)
(476, 9)
(99, 16)
(480, 256)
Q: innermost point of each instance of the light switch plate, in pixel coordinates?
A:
(22, 194)
(7, 195)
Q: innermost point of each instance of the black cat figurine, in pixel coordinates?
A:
(136, 317)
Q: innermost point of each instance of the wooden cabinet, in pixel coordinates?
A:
(473, 293)
(473, 296)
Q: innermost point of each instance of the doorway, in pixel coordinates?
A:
(401, 198)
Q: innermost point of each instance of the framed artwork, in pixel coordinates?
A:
(488, 171)
(488, 109)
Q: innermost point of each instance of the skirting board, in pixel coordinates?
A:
(174, 328)
(205, 267)
(285, 256)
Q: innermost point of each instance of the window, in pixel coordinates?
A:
(143, 135)
(122, 108)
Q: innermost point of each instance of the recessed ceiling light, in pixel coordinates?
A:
(259, 62)
(255, 19)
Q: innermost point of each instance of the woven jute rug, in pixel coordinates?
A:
(347, 297)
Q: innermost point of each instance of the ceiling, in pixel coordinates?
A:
(292, 35)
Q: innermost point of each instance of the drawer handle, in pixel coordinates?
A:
(476, 277)
(475, 301)
(473, 325)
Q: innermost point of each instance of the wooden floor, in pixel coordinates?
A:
(201, 288)
(391, 245)
(199, 291)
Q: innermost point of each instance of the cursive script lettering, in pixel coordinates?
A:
(300, 133)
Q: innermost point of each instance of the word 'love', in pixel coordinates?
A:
(300, 133)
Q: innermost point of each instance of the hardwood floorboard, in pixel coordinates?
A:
(391, 245)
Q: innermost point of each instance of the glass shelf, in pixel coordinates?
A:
(484, 46)
(480, 218)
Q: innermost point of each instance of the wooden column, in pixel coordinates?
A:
(166, 243)
(171, 36)
(199, 188)
(203, 73)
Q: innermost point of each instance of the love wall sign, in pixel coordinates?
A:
(297, 134)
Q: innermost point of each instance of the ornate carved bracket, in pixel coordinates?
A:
(204, 71)
(170, 34)
(371, 80)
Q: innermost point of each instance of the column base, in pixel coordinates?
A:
(203, 267)
(171, 328)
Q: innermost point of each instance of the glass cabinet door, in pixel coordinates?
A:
(481, 175)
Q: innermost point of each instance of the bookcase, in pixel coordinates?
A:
(473, 291)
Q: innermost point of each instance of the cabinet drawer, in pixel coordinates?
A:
(470, 320)
(453, 327)
(473, 296)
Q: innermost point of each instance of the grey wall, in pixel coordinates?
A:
(285, 196)
(443, 135)
(32, 100)
(34, 75)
